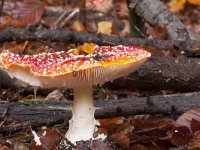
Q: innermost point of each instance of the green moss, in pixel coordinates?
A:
(33, 101)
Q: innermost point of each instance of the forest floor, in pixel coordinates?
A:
(156, 131)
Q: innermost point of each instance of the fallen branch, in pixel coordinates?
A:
(157, 14)
(19, 35)
(56, 111)
(163, 73)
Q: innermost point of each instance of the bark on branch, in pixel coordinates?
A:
(157, 14)
(12, 34)
(56, 111)
(158, 73)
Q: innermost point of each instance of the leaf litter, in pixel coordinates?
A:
(140, 132)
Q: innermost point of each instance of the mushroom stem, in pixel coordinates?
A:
(82, 124)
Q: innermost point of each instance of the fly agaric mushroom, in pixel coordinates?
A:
(79, 70)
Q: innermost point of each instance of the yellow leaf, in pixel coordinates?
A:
(176, 5)
(78, 26)
(194, 2)
(87, 48)
(105, 27)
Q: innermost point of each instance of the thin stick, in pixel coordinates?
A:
(61, 18)
(69, 17)
(141, 33)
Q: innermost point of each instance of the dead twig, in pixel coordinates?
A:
(19, 35)
(73, 12)
(63, 17)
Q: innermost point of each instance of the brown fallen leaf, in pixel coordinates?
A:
(186, 118)
(29, 13)
(142, 126)
(49, 139)
(116, 120)
(194, 2)
(112, 125)
(181, 136)
(6, 22)
(194, 125)
(100, 131)
(159, 32)
(122, 10)
(94, 145)
(99, 5)
(121, 139)
(2, 147)
(138, 147)
(154, 51)
(194, 144)
(176, 5)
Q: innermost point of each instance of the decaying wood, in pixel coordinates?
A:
(56, 111)
(19, 35)
(157, 14)
(158, 73)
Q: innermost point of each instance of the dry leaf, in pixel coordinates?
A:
(194, 2)
(87, 48)
(186, 118)
(49, 138)
(154, 51)
(194, 144)
(100, 131)
(121, 139)
(99, 5)
(2, 147)
(123, 10)
(159, 32)
(138, 147)
(6, 22)
(78, 26)
(181, 136)
(195, 125)
(28, 13)
(105, 27)
(116, 120)
(17, 145)
(13, 47)
(176, 5)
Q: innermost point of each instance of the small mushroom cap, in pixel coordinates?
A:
(69, 69)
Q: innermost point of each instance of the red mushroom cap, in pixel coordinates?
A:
(70, 69)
